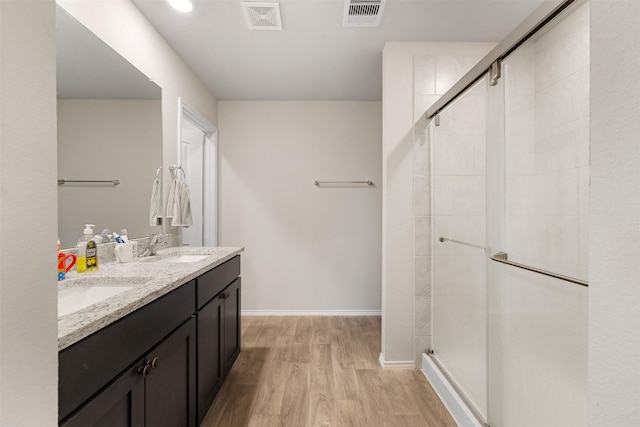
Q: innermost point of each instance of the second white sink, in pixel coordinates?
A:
(185, 258)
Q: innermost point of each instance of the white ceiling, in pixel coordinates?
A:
(315, 57)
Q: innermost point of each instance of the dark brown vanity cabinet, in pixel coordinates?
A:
(161, 365)
(158, 390)
(218, 336)
(99, 361)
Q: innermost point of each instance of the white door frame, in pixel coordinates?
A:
(210, 185)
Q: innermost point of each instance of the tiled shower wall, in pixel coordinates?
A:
(547, 136)
(433, 75)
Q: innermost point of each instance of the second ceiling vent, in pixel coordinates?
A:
(363, 13)
(262, 16)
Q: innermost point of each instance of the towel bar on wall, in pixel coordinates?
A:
(502, 257)
(318, 183)
(444, 239)
(109, 181)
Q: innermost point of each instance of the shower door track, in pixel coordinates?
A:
(430, 353)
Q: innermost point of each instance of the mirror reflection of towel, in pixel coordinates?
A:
(179, 204)
(155, 208)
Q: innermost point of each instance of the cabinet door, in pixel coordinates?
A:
(170, 384)
(210, 367)
(231, 346)
(120, 404)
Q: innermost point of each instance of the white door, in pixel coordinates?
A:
(192, 159)
(198, 152)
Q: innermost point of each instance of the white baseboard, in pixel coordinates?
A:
(404, 364)
(312, 312)
(461, 414)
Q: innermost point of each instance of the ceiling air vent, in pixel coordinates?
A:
(363, 13)
(262, 16)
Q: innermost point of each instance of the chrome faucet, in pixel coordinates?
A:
(155, 242)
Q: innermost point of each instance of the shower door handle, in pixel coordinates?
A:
(503, 258)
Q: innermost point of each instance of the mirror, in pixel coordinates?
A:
(109, 128)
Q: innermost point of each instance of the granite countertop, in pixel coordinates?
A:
(151, 277)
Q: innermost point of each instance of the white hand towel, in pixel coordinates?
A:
(185, 205)
(181, 206)
(155, 207)
(171, 200)
(178, 206)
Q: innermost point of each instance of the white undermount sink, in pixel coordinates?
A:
(185, 258)
(81, 293)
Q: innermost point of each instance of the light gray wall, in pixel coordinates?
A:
(28, 215)
(307, 248)
(614, 254)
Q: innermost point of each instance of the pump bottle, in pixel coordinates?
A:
(87, 251)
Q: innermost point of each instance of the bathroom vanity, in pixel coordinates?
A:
(157, 353)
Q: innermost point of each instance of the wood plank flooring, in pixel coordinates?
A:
(321, 371)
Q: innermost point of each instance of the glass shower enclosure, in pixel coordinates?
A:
(510, 188)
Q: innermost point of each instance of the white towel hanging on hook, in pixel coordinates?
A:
(178, 207)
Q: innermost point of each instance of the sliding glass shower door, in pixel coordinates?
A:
(459, 296)
(539, 148)
(510, 184)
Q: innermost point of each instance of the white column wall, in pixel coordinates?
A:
(28, 215)
(614, 247)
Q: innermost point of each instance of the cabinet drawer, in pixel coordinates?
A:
(87, 366)
(214, 281)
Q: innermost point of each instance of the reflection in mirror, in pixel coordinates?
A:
(109, 128)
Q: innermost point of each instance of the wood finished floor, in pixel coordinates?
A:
(320, 371)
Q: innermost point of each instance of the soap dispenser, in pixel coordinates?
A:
(87, 251)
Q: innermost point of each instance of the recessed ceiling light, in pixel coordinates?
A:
(183, 6)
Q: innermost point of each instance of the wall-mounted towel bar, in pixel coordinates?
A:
(503, 258)
(444, 239)
(110, 181)
(318, 183)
